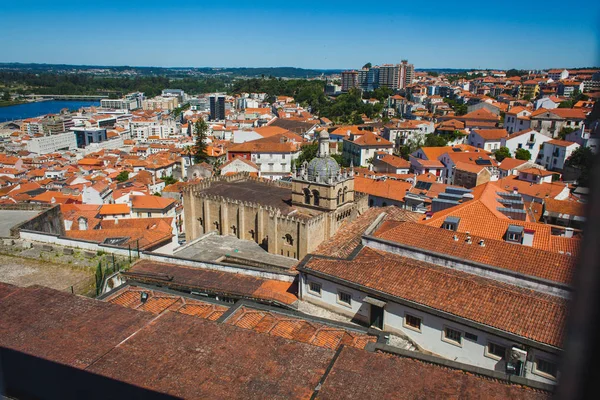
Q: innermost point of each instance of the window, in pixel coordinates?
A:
(412, 322)
(314, 287)
(306, 196)
(495, 351)
(289, 240)
(345, 298)
(316, 197)
(544, 367)
(514, 237)
(452, 336)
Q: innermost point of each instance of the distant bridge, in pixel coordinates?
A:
(67, 96)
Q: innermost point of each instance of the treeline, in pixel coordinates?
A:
(85, 84)
(346, 108)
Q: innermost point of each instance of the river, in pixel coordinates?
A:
(31, 110)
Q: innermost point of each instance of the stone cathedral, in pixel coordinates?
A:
(289, 219)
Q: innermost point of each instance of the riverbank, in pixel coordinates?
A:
(37, 108)
(4, 103)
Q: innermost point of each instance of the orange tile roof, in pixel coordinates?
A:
(371, 139)
(151, 202)
(481, 217)
(492, 134)
(566, 207)
(481, 114)
(561, 143)
(510, 163)
(114, 209)
(386, 189)
(526, 260)
(522, 312)
(348, 236)
(433, 153)
(394, 161)
(271, 144)
(539, 191)
(469, 167)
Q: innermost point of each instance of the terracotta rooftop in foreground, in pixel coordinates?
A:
(193, 358)
(214, 281)
(356, 375)
(159, 302)
(525, 313)
(115, 351)
(297, 329)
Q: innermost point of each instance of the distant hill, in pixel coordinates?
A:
(277, 72)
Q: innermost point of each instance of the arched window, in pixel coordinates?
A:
(289, 239)
(344, 195)
(306, 196)
(339, 197)
(316, 197)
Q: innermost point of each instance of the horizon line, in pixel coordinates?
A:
(302, 68)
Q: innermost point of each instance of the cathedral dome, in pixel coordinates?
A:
(323, 167)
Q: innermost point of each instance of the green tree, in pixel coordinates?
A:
(523, 154)
(123, 176)
(367, 65)
(432, 140)
(307, 153)
(433, 73)
(6, 95)
(583, 159)
(169, 180)
(201, 128)
(502, 153)
(565, 131)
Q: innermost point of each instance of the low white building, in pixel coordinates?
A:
(527, 139)
(554, 153)
(52, 143)
(517, 119)
(239, 164)
(391, 294)
(362, 148)
(487, 139)
(558, 74)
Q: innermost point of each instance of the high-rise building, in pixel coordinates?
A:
(349, 80)
(217, 107)
(388, 76)
(406, 74)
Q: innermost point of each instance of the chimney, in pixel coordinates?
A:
(482, 243)
(515, 190)
(528, 237)
(468, 241)
(455, 237)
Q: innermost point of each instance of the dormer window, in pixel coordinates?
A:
(514, 234)
(451, 223)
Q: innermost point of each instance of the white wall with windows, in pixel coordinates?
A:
(274, 165)
(444, 337)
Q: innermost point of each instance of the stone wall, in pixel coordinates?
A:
(49, 220)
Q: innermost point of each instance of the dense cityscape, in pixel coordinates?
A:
(310, 200)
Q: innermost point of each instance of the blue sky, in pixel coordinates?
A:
(308, 34)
